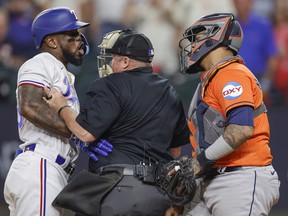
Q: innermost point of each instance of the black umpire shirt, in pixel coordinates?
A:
(139, 113)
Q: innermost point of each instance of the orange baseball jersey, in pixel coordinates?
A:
(232, 86)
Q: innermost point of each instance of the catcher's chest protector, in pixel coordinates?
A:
(206, 123)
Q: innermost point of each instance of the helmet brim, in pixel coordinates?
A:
(76, 25)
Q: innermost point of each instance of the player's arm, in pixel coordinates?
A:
(33, 108)
(235, 135)
(181, 134)
(174, 211)
(59, 104)
(69, 117)
(239, 129)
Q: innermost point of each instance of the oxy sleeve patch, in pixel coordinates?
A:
(232, 90)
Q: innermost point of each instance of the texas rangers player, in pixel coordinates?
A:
(229, 124)
(45, 159)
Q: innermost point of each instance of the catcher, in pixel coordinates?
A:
(229, 125)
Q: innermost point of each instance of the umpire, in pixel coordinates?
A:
(140, 114)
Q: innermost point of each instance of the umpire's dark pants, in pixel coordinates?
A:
(131, 197)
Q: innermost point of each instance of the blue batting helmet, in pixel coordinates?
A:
(54, 20)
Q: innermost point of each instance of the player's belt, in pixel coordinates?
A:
(128, 169)
(146, 173)
(69, 168)
(228, 169)
(221, 170)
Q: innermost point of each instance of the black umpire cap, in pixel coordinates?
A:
(134, 45)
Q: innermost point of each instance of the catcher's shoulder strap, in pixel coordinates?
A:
(204, 84)
(259, 110)
(200, 90)
(212, 72)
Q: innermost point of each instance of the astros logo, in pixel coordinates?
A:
(232, 90)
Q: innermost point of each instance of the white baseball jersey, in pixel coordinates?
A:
(45, 70)
(43, 174)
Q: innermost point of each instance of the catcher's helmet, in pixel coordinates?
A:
(215, 30)
(54, 20)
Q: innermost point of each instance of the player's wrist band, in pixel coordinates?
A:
(205, 163)
(218, 149)
(61, 108)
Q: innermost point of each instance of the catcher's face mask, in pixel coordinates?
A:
(105, 58)
(205, 35)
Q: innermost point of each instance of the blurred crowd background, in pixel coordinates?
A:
(265, 47)
(265, 51)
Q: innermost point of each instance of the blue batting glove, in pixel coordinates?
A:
(103, 147)
(79, 143)
(83, 146)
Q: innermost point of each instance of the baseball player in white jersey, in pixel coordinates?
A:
(51, 72)
(44, 178)
(45, 160)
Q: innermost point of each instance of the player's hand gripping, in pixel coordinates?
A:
(174, 211)
(54, 98)
(196, 167)
(102, 148)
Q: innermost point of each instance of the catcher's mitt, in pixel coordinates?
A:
(178, 180)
